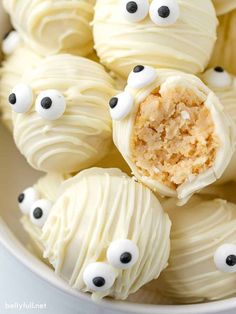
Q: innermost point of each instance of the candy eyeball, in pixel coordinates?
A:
(50, 104)
(141, 76)
(164, 12)
(121, 105)
(99, 276)
(134, 11)
(21, 98)
(217, 77)
(122, 254)
(39, 212)
(26, 199)
(10, 42)
(225, 258)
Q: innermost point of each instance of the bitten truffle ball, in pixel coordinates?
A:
(172, 130)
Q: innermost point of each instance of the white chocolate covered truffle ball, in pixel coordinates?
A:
(51, 27)
(35, 203)
(172, 131)
(106, 234)
(61, 117)
(203, 252)
(225, 47)
(13, 67)
(176, 34)
(223, 84)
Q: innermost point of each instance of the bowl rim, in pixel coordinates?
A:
(9, 241)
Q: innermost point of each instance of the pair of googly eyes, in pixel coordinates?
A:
(121, 105)
(217, 77)
(121, 254)
(50, 104)
(162, 12)
(10, 42)
(37, 209)
(225, 258)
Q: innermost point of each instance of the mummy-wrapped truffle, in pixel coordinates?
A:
(106, 234)
(13, 67)
(35, 204)
(172, 131)
(224, 6)
(176, 34)
(224, 86)
(202, 264)
(61, 118)
(51, 27)
(225, 47)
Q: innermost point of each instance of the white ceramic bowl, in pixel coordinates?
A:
(15, 175)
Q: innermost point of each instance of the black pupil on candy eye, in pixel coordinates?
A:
(99, 282)
(132, 7)
(138, 68)
(125, 258)
(219, 69)
(231, 260)
(21, 198)
(113, 102)
(46, 103)
(12, 99)
(38, 213)
(164, 12)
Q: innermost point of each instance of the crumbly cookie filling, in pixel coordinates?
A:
(174, 137)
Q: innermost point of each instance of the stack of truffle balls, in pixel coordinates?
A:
(129, 108)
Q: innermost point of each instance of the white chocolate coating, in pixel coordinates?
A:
(13, 67)
(224, 128)
(82, 136)
(185, 45)
(11, 42)
(51, 27)
(225, 47)
(227, 96)
(224, 6)
(198, 230)
(47, 188)
(95, 208)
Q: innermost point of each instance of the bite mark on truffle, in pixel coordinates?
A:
(179, 145)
